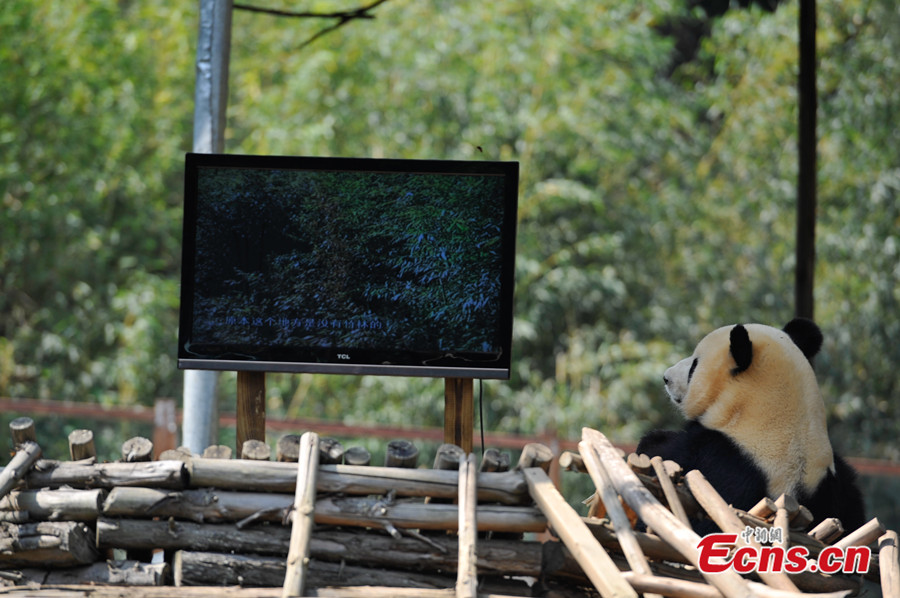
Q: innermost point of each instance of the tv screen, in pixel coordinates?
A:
(348, 265)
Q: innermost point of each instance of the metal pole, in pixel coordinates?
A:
(200, 425)
(806, 176)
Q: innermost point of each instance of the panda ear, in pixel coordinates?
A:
(806, 335)
(741, 349)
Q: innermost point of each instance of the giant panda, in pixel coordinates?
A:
(756, 422)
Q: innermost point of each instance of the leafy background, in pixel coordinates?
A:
(657, 143)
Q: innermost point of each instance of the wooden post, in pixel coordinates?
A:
(22, 430)
(251, 408)
(81, 445)
(459, 413)
(165, 426)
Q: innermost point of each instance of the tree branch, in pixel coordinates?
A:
(342, 17)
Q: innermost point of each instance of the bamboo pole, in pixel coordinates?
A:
(595, 561)
(158, 474)
(862, 536)
(724, 516)
(270, 476)
(615, 512)
(654, 514)
(669, 490)
(889, 565)
(466, 578)
(303, 513)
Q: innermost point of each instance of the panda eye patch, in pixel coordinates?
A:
(693, 367)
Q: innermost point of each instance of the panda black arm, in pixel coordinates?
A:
(732, 473)
(837, 495)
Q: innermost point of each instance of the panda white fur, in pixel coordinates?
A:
(756, 421)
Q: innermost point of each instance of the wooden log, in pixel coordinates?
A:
(863, 536)
(26, 454)
(211, 569)
(287, 450)
(135, 534)
(118, 573)
(251, 408)
(725, 517)
(782, 522)
(357, 455)
(375, 513)
(788, 503)
(47, 543)
(466, 576)
(639, 463)
(505, 487)
(181, 453)
(217, 451)
(255, 450)
(202, 505)
(448, 457)
(803, 519)
(680, 588)
(572, 461)
(663, 522)
(331, 451)
(828, 530)
(668, 488)
(459, 412)
(81, 445)
(535, 454)
(650, 544)
(22, 430)
(439, 552)
(302, 516)
(95, 591)
(401, 453)
(156, 474)
(764, 509)
(494, 461)
(15, 516)
(55, 505)
(595, 561)
(272, 539)
(617, 516)
(137, 450)
(888, 564)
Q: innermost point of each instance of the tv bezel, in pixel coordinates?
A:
(498, 368)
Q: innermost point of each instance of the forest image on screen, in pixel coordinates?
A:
(299, 260)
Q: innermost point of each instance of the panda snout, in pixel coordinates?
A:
(674, 380)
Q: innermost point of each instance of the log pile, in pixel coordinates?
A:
(321, 521)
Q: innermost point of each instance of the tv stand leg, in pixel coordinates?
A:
(459, 412)
(251, 408)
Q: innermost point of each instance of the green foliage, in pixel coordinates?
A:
(656, 202)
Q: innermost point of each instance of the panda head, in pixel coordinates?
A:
(755, 384)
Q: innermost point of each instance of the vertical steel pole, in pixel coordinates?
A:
(806, 176)
(201, 416)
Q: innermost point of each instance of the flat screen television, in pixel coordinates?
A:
(348, 265)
